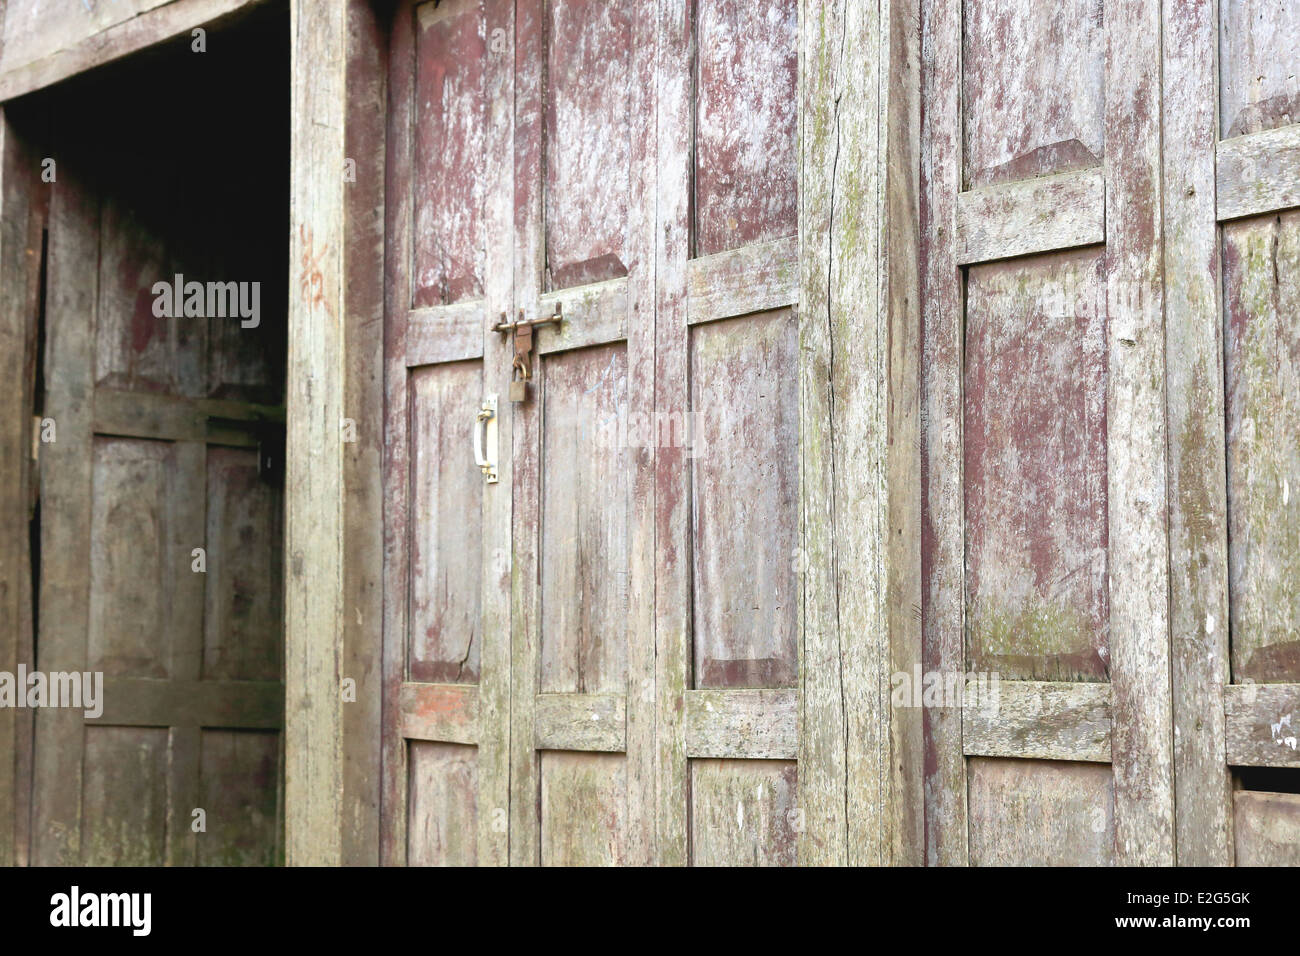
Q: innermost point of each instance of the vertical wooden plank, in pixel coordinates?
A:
(363, 519)
(822, 704)
(671, 463)
(66, 495)
(898, 214)
(314, 477)
(494, 701)
(1142, 741)
(943, 521)
(393, 799)
(1198, 543)
(858, 420)
(639, 455)
(529, 262)
(22, 204)
(188, 501)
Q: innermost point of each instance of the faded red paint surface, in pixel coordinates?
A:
(1033, 85)
(588, 144)
(1035, 468)
(449, 149)
(745, 137)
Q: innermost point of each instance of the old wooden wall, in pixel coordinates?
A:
(1106, 516)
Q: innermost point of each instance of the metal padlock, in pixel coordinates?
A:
(518, 390)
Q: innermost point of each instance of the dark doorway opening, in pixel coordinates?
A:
(157, 532)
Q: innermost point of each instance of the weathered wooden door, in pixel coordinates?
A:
(593, 658)
(1110, 261)
(1232, 268)
(160, 535)
(1045, 511)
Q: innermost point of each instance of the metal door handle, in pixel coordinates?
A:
(485, 433)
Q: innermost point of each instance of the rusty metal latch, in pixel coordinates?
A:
(522, 367)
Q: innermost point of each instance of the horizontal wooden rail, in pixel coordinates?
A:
(1263, 725)
(593, 315)
(742, 724)
(1038, 719)
(1259, 173)
(753, 278)
(445, 333)
(580, 722)
(1032, 216)
(443, 712)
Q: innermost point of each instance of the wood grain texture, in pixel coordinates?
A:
(860, 454)
(593, 315)
(672, 464)
(757, 277)
(313, 537)
(581, 722)
(125, 807)
(1137, 508)
(447, 712)
(1036, 215)
(1039, 813)
(1267, 828)
(243, 620)
(742, 724)
(444, 810)
(1039, 720)
(1198, 542)
(239, 785)
(23, 210)
(1035, 445)
(745, 121)
(583, 809)
(448, 333)
(587, 140)
(642, 743)
(1259, 173)
(446, 544)
(450, 130)
(363, 519)
(495, 718)
(744, 482)
(532, 126)
(66, 494)
(744, 812)
(1262, 725)
(1261, 281)
(1044, 115)
(1259, 65)
(584, 524)
(943, 563)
